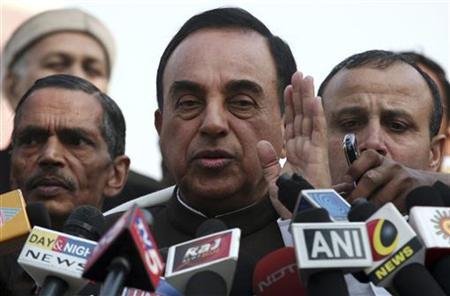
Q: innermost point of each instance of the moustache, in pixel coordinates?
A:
(54, 178)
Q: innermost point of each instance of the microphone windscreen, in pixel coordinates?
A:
(277, 274)
(441, 272)
(361, 211)
(38, 215)
(414, 279)
(86, 222)
(206, 283)
(289, 188)
(425, 196)
(328, 282)
(312, 215)
(444, 192)
(210, 226)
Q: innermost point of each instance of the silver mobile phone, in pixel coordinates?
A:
(350, 146)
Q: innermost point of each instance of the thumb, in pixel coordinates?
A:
(271, 169)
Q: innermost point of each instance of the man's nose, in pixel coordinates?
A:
(215, 120)
(77, 70)
(52, 153)
(372, 137)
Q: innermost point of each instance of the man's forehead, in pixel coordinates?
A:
(54, 101)
(246, 52)
(396, 80)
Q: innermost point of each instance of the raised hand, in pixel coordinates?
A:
(305, 134)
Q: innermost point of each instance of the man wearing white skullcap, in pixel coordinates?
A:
(68, 41)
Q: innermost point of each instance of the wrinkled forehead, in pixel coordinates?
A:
(63, 106)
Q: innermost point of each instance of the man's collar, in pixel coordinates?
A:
(248, 219)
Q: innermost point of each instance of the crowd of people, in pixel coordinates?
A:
(231, 103)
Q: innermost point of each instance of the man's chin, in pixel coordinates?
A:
(58, 209)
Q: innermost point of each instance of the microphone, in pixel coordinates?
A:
(396, 250)
(323, 249)
(328, 199)
(127, 248)
(14, 221)
(210, 259)
(432, 225)
(277, 274)
(55, 260)
(289, 188)
(444, 191)
(163, 289)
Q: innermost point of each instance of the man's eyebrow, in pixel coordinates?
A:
(185, 85)
(393, 113)
(351, 110)
(31, 129)
(76, 131)
(243, 84)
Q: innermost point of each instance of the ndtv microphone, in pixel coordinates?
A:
(277, 274)
(126, 248)
(216, 253)
(56, 260)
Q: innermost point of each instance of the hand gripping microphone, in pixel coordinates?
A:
(432, 224)
(277, 274)
(126, 255)
(207, 264)
(396, 250)
(55, 260)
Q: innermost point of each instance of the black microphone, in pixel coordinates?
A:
(414, 279)
(86, 222)
(441, 272)
(289, 188)
(320, 281)
(38, 215)
(206, 283)
(444, 191)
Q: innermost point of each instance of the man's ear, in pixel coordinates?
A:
(436, 152)
(118, 176)
(158, 121)
(10, 92)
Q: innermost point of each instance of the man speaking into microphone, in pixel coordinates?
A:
(220, 86)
